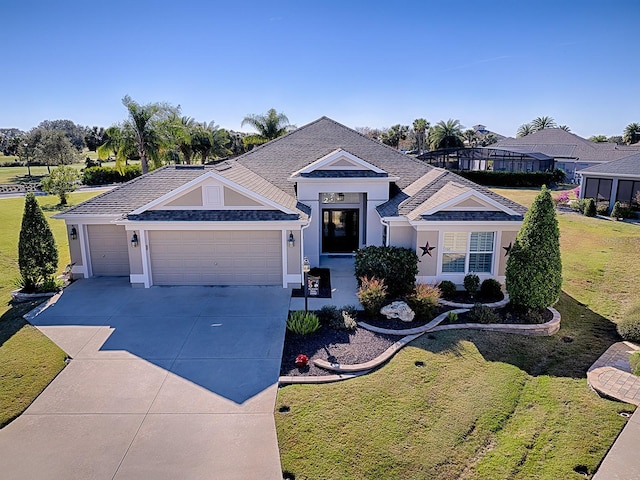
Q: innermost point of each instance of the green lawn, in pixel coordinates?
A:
(486, 405)
(28, 359)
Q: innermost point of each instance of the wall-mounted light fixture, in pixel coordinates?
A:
(134, 240)
(73, 233)
(292, 240)
(341, 197)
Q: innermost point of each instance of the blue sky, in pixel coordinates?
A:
(363, 63)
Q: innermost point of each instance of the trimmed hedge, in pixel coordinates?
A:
(107, 175)
(629, 326)
(397, 266)
(512, 179)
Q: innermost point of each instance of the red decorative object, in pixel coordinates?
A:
(302, 360)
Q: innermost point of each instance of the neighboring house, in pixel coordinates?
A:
(570, 152)
(322, 189)
(616, 181)
(488, 158)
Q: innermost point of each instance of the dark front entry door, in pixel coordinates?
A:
(340, 230)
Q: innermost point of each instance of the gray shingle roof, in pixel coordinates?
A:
(342, 174)
(212, 216)
(625, 166)
(472, 216)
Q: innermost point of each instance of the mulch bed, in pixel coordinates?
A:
(396, 324)
(462, 296)
(338, 346)
(509, 316)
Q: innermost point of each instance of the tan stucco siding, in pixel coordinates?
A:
(235, 199)
(135, 256)
(294, 262)
(75, 250)
(508, 237)
(402, 236)
(428, 265)
(189, 199)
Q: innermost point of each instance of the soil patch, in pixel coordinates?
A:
(331, 345)
(462, 296)
(395, 324)
(508, 315)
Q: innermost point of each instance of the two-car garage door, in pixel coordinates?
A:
(216, 257)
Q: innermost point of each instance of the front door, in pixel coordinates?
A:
(340, 230)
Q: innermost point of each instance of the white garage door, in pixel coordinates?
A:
(216, 257)
(108, 248)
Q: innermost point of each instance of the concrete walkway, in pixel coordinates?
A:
(165, 383)
(611, 376)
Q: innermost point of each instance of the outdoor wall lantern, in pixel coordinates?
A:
(292, 240)
(134, 240)
(73, 233)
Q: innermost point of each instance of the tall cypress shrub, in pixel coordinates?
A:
(534, 266)
(37, 251)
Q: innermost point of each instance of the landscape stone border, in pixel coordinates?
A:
(294, 379)
(19, 188)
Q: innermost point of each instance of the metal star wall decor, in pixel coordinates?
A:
(507, 249)
(426, 250)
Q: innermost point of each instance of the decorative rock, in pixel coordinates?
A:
(399, 310)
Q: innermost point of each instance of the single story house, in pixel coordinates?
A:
(570, 152)
(616, 181)
(322, 189)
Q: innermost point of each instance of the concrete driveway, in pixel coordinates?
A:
(164, 383)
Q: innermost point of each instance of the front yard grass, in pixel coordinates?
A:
(28, 359)
(485, 405)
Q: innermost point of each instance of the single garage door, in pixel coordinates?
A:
(108, 248)
(216, 257)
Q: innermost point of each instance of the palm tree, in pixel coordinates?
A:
(524, 130)
(540, 123)
(446, 135)
(489, 139)
(269, 126)
(209, 140)
(471, 137)
(181, 130)
(395, 135)
(116, 144)
(631, 133)
(420, 127)
(565, 128)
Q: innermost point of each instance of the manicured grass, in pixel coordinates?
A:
(28, 359)
(485, 405)
(20, 174)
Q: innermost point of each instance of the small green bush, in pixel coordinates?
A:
(491, 288)
(634, 360)
(577, 205)
(602, 208)
(396, 266)
(302, 323)
(349, 322)
(447, 289)
(372, 294)
(471, 283)
(424, 300)
(344, 319)
(590, 208)
(452, 317)
(49, 284)
(622, 210)
(480, 313)
(328, 314)
(629, 326)
(107, 175)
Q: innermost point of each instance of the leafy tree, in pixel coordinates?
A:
(37, 251)
(209, 140)
(540, 123)
(394, 135)
(489, 139)
(446, 135)
(598, 139)
(420, 127)
(524, 130)
(471, 137)
(54, 148)
(61, 182)
(94, 137)
(566, 128)
(616, 139)
(534, 266)
(75, 133)
(269, 126)
(631, 133)
(236, 143)
(117, 145)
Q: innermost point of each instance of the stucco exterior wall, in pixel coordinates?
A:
(190, 199)
(135, 256)
(235, 199)
(508, 237)
(294, 262)
(74, 245)
(428, 264)
(402, 236)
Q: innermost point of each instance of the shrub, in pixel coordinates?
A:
(634, 360)
(452, 317)
(89, 162)
(602, 208)
(447, 288)
(471, 283)
(622, 210)
(616, 211)
(534, 266)
(629, 326)
(396, 266)
(61, 182)
(577, 204)
(372, 294)
(512, 179)
(328, 314)
(590, 208)
(302, 323)
(348, 320)
(49, 284)
(344, 319)
(37, 251)
(480, 313)
(491, 288)
(106, 175)
(424, 299)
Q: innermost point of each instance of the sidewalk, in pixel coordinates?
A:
(611, 376)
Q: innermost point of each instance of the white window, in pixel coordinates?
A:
(465, 252)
